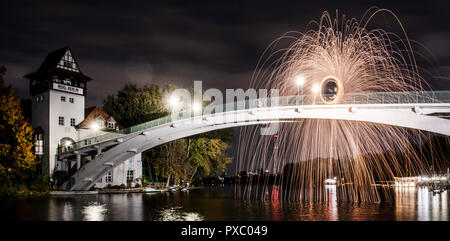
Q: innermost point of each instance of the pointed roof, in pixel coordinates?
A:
(95, 113)
(51, 65)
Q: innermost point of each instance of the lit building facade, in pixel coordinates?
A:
(58, 89)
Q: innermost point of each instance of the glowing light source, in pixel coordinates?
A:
(196, 106)
(95, 126)
(316, 89)
(299, 80)
(330, 181)
(173, 102)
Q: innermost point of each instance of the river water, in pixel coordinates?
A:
(219, 203)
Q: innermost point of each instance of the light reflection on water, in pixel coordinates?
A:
(94, 211)
(219, 203)
(177, 214)
(332, 204)
(420, 204)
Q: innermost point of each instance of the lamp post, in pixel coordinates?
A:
(315, 90)
(196, 107)
(299, 81)
(173, 103)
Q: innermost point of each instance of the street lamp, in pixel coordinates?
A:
(95, 126)
(315, 90)
(196, 107)
(173, 102)
(67, 145)
(299, 81)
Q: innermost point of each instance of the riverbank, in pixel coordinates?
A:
(109, 191)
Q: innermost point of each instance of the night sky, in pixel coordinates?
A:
(218, 42)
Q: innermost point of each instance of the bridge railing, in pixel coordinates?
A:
(351, 98)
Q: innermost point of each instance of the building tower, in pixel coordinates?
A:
(58, 90)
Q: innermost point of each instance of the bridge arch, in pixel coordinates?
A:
(123, 147)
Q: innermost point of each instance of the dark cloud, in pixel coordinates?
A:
(219, 42)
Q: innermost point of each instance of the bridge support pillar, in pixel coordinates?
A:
(65, 165)
(78, 161)
(99, 150)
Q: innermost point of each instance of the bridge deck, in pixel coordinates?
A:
(306, 101)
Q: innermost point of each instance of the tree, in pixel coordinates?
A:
(17, 161)
(194, 157)
(208, 156)
(133, 105)
(169, 159)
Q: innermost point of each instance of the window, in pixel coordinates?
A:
(71, 100)
(40, 99)
(56, 79)
(39, 148)
(111, 125)
(67, 63)
(108, 177)
(131, 163)
(72, 121)
(67, 81)
(63, 99)
(101, 124)
(61, 121)
(130, 175)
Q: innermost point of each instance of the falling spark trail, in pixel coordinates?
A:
(338, 56)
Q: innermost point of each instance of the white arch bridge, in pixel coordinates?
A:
(428, 111)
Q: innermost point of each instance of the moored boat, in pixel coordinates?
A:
(150, 190)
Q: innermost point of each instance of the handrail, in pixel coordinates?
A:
(419, 97)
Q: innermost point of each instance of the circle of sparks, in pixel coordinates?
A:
(330, 90)
(333, 55)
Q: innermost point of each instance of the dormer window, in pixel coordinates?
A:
(101, 124)
(111, 125)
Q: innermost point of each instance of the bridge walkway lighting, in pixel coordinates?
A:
(315, 90)
(299, 82)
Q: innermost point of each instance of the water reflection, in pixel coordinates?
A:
(94, 211)
(420, 204)
(432, 206)
(220, 203)
(67, 213)
(177, 214)
(332, 210)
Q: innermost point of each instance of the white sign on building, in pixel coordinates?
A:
(67, 88)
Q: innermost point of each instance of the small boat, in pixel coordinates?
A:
(150, 190)
(184, 189)
(173, 189)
